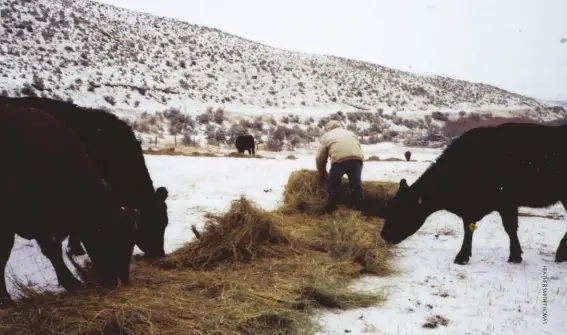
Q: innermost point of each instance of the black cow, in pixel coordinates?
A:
(245, 142)
(49, 188)
(486, 169)
(112, 145)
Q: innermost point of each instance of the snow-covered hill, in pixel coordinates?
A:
(90, 51)
(560, 103)
(98, 55)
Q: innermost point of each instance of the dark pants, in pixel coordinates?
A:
(353, 169)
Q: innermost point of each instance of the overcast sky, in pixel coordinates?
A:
(514, 44)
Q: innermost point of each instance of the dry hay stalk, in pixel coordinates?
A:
(250, 272)
(306, 192)
(171, 151)
(240, 235)
(243, 155)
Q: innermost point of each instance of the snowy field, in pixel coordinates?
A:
(488, 296)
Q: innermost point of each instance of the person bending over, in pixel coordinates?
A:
(345, 153)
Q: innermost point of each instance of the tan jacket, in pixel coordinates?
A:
(339, 144)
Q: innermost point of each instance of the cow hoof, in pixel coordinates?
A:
(515, 259)
(461, 260)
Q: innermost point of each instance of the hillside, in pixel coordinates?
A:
(103, 56)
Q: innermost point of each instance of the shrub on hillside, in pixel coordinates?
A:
(110, 99)
(204, 118)
(390, 135)
(294, 141)
(218, 116)
(258, 123)
(273, 144)
(189, 138)
(440, 116)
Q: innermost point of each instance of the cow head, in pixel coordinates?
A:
(110, 246)
(153, 222)
(404, 214)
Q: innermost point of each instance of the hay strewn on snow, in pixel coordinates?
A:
(305, 193)
(171, 151)
(249, 272)
(244, 155)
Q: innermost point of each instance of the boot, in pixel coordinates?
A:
(331, 204)
(357, 201)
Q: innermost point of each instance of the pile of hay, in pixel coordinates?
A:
(239, 155)
(373, 158)
(305, 192)
(171, 151)
(249, 272)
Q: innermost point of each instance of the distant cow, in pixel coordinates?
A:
(486, 169)
(245, 142)
(112, 145)
(407, 155)
(49, 188)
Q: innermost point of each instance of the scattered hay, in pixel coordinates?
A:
(393, 159)
(291, 157)
(305, 192)
(435, 321)
(389, 159)
(249, 272)
(239, 155)
(239, 236)
(173, 152)
(373, 159)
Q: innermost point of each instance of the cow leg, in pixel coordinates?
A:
(51, 248)
(465, 253)
(354, 173)
(6, 245)
(561, 253)
(253, 150)
(510, 222)
(334, 183)
(74, 246)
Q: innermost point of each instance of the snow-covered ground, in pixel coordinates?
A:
(488, 296)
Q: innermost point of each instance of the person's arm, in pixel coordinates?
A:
(321, 159)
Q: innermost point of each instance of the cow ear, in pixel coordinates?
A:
(162, 193)
(403, 183)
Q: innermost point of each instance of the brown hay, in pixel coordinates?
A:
(305, 192)
(241, 235)
(173, 152)
(250, 272)
(291, 157)
(239, 155)
(389, 159)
